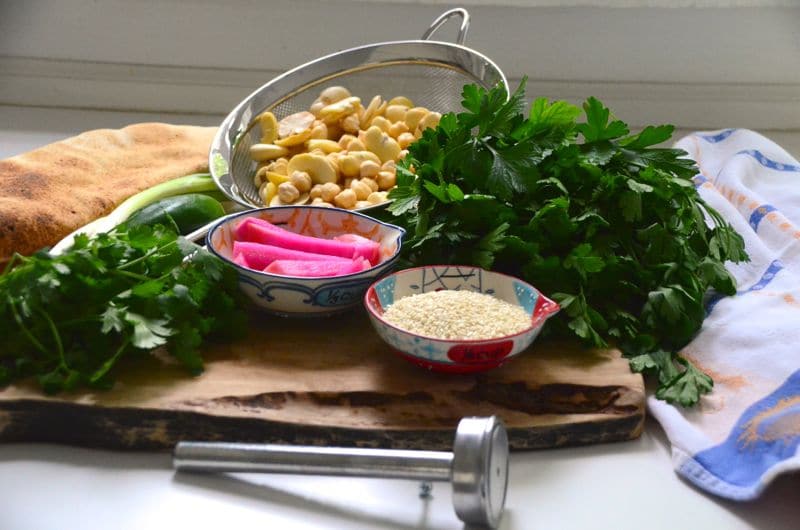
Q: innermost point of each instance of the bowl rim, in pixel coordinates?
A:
(555, 308)
(232, 216)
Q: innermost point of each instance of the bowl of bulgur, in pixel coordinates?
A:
(458, 319)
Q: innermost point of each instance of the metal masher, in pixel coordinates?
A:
(477, 467)
(431, 73)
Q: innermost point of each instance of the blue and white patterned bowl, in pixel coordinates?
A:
(456, 356)
(297, 296)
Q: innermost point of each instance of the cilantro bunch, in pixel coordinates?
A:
(69, 319)
(609, 226)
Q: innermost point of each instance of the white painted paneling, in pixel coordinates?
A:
(40, 82)
(695, 67)
(715, 45)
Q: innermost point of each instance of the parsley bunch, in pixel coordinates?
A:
(609, 226)
(68, 319)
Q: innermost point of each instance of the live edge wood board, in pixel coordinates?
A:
(334, 382)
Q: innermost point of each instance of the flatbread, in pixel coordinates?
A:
(47, 193)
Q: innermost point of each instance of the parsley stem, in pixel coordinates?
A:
(14, 258)
(106, 366)
(56, 338)
(133, 275)
(21, 324)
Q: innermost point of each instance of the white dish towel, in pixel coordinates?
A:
(747, 431)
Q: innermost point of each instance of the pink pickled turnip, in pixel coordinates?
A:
(239, 259)
(261, 231)
(352, 238)
(316, 268)
(258, 256)
(241, 231)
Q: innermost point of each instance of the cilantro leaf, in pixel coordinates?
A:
(138, 289)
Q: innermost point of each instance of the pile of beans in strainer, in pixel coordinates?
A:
(338, 153)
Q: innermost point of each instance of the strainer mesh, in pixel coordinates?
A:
(436, 86)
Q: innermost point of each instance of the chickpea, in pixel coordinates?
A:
(278, 166)
(333, 94)
(386, 180)
(405, 139)
(430, 120)
(396, 113)
(350, 124)
(301, 181)
(397, 129)
(414, 116)
(316, 107)
(377, 197)
(288, 193)
(372, 183)
(316, 192)
(319, 131)
(363, 204)
(345, 199)
(401, 100)
(361, 189)
(329, 191)
(320, 202)
(356, 145)
(381, 123)
(369, 169)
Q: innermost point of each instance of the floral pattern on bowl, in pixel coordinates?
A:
(456, 356)
(299, 296)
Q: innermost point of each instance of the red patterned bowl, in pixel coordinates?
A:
(456, 356)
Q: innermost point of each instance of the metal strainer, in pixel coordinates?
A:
(430, 73)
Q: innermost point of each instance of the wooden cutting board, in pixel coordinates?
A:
(334, 382)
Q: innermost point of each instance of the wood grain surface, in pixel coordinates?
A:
(334, 382)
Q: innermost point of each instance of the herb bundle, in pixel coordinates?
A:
(68, 319)
(609, 226)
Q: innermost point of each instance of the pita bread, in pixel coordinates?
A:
(47, 193)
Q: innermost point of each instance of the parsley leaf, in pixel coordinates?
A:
(604, 220)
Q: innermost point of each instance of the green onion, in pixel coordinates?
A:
(195, 183)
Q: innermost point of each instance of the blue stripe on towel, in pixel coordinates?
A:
(759, 213)
(699, 180)
(717, 138)
(768, 162)
(772, 270)
(766, 434)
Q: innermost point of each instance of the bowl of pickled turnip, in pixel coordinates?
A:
(305, 260)
(457, 318)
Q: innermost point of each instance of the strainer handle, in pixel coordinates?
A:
(444, 17)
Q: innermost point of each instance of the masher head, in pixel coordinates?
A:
(480, 470)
